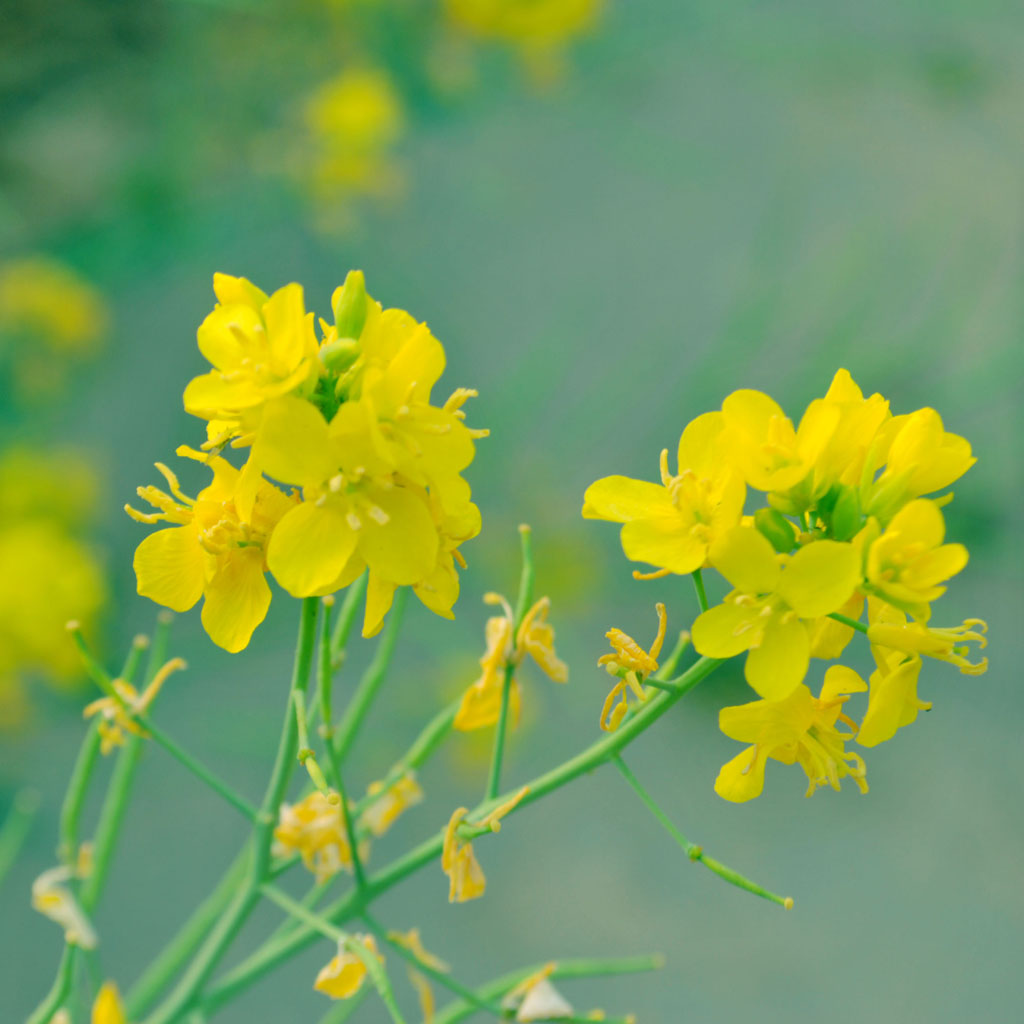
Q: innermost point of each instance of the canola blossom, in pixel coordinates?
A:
(350, 466)
(330, 465)
(845, 523)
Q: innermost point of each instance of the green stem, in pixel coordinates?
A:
(346, 619)
(345, 1010)
(460, 1011)
(358, 871)
(523, 601)
(847, 621)
(185, 993)
(324, 667)
(694, 852)
(16, 828)
(102, 679)
(371, 680)
(305, 754)
(352, 904)
(295, 909)
(440, 977)
(498, 754)
(60, 989)
(702, 594)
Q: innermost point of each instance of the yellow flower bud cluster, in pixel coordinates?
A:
(350, 465)
(850, 517)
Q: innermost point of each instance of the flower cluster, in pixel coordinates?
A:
(850, 520)
(350, 465)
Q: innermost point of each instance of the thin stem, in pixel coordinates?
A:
(102, 679)
(498, 754)
(60, 989)
(430, 971)
(324, 666)
(847, 621)
(268, 956)
(371, 681)
(346, 619)
(185, 993)
(345, 1009)
(295, 909)
(16, 828)
(694, 852)
(702, 594)
(305, 754)
(358, 871)
(460, 1011)
(523, 601)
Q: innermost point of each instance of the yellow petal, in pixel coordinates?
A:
(310, 547)
(230, 289)
(342, 977)
(919, 521)
(665, 543)
(169, 567)
(700, 447)
(294, 444)
(820, 578)
(108, 1009)
(892, 704)
(840, 680)
(725, 630)
(379, 596)
(237, 599)
(742, 778)
(778, 665)
(211, 395)
(620, 499)
(218, 334)
(402, 548)
(746, 559)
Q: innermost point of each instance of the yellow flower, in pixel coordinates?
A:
(631, 664)
(343, 977)
(921, 458)
(830, 638)
(210, 551)
(52, 898)
(506, 648)
(907, 564)
(314, 828)
(761, 443)
(949, 643)
(260, 347)
(108, 1008)
(399, 797)
(465, 876)
(354, 121)
(117, 719)
(797, 729)
(765, 613)
(893, 701)
(671, 526)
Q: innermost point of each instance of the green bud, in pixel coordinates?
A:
(772, 524)
(846, 519)
(337, 356)
(349, 303)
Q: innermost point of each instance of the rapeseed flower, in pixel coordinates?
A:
(631, 665)
(799, 728)
(774, 596)
(388, 804)
(672, 526)
(211, 550)
(52, 898)
(344, 975)
(108, 1008)
(908, 563)
(506, 649)
(314, 828)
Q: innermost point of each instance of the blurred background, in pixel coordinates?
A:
(612, 215)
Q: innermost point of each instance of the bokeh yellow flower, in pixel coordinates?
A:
(344, 975)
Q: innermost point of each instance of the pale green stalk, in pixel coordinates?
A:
(694, 852)
(346, 619)
(184, 995)
(345, 1009)
(523, 601)
(459, 1011)
(847, 621)
(702, 594)
(270, 954)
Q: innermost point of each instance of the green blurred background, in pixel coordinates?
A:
(706, 197)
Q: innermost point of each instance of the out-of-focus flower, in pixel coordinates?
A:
(344, 975)
(536, 998)
(314, 828)
(50, 317)
(412, 942)
(52, 898)
(389, 804)
(108, 1008)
